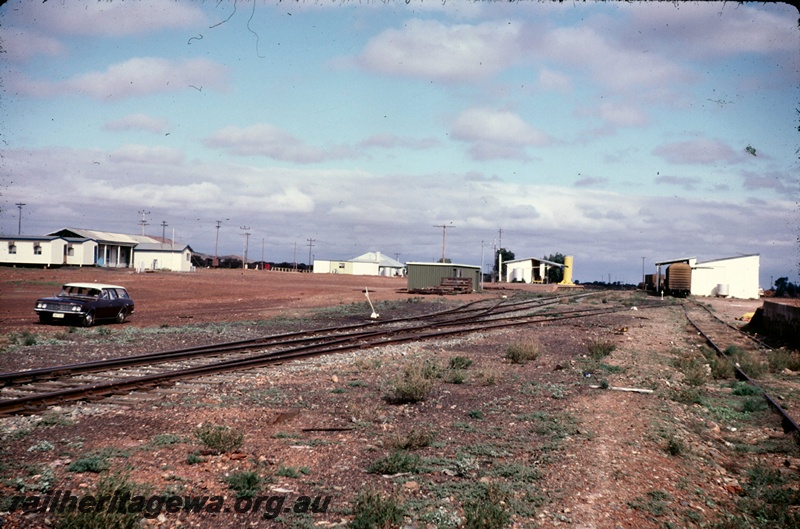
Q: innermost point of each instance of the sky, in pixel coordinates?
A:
(622, 133)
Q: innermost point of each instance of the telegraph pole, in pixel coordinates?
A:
(644, 283)
(143, 222)
(246, 244)
(164, 231)
(310, 245)
(216, 245)
(19, 228)
(444, 236)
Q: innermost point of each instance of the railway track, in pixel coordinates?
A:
(34, 390)
(723, 337)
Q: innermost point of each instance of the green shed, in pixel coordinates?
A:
(443, 277)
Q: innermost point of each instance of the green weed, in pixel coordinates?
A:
(373, 511)
(220, 439)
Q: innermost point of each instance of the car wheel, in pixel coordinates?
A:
(121, 315)
(88, 319)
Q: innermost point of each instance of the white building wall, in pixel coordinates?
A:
(364, 269)
(739, 275)
(173, 261)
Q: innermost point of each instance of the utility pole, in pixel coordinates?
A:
(246, 244)
(19, 228)
(216, 245)
(143, 222)
(482, 244)
(164, 231)
(444, 236)
(310, 245)
(262, 253)
(644, 283)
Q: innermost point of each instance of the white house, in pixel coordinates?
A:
(82, 247)
(48, 250)
(163, 256)
(368, 264)
(528, 270)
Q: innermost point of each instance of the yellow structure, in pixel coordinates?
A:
(567, 280)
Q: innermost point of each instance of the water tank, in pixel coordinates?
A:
(723, 290)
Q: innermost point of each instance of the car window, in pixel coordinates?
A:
(122, 293)
(110, 293)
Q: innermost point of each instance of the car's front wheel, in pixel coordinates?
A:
(88, 319)
(121, 315)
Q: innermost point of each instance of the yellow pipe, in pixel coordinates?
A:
(567, 280)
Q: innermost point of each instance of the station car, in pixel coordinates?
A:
(86, 303)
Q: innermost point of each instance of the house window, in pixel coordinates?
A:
(37, 249)
(12, 248)
(70, 250)
(188, 257)
(341, 266)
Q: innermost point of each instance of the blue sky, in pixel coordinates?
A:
(610, 131)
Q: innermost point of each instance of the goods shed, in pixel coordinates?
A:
(735, 277)
(443, 277)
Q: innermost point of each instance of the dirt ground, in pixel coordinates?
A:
(536, 440)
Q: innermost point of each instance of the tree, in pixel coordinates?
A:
(554, 273)
(785, 288)
(507, 255)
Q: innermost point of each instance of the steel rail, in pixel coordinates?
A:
(38, 402)
(788, 424)
(54, 372)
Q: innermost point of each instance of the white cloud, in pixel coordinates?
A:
(496, 133)
(109, 18)
(21, 45)
(144, 154)
(270, 141)
(700, 151)
(138, 122)
(134, 77)
(430, 50)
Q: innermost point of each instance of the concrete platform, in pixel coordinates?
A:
(781, 319)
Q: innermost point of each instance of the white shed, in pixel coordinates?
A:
(735, 277)
(163, 256)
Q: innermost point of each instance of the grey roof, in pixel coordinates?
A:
(545, 261)
(378, 257)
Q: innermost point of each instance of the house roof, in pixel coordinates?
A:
(104, 236)
(377, 257)
(161, 247)
(545, 261)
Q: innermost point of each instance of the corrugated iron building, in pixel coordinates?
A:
(423, 276)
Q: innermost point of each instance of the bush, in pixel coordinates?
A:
(93, 463)
(413, 440)
(245, 483)
(415, 384)
(522, 353)
(485, 514)
(780, 359)
(395, 463)
(101, 518)
(220, 439)
(600, 348)
(375, 512)
(460, 362)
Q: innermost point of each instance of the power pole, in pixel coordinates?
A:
(310, 245)
(444, 236)
(644, 283)
(164, 231)
(143, 222)
(216, 245)
(19, 228)
(246, 244)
